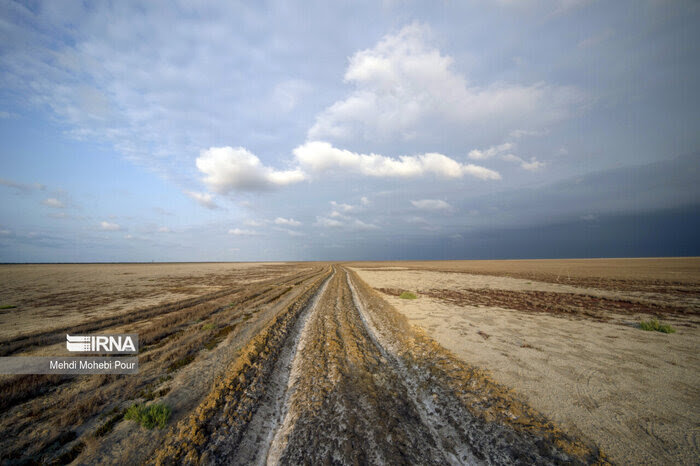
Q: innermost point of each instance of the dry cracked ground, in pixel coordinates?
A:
(276, 364)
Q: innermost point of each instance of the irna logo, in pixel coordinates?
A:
(108, 344)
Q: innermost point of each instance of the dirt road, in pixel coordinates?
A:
(340, 377)
(309, 366)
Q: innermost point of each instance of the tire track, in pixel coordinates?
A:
(447, 438)
(259, 437)
(342, 379)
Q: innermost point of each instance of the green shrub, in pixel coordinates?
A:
(209, 326)
(155, 415)
(8, 306)
(654, 325)
(407, 295)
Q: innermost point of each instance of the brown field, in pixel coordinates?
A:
(287, 363)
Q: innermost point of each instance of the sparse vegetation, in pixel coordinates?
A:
(209, 326)
(7, 306)
(216, 339)
(150, 394)
(155, 415)
(654, 325)
(180, 363)
(107, 427)
(408, 295)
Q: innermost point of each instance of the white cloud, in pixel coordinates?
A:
(290, 232)
(204, 199)
(328, 222)
(477, 154)
(405, 88)
(5, 232)
(360, 225)
(53, 202)
(240, 232)
(287, 221)
(345, 223)
(237, 169)
(432, 204)
(518, 133)
(107, 226)
(532, 165)
(343, 207)
(164, 230)
(364, 201)
(253, 223)
(319, 156)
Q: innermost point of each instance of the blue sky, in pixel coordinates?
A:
(140, 131)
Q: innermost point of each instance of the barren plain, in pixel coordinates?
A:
(499, 362)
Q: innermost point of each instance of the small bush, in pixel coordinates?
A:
(407, 295)
(155, 415)
(654, 325)
(209, 326)
(8, 306)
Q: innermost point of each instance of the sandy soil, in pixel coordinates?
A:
(634, 393)
(67, 294)
(184, 346)
(669, 269)
(307, 363)
(361, 387)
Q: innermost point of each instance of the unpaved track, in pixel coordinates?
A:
(341, 378)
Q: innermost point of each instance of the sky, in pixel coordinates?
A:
(197, 131)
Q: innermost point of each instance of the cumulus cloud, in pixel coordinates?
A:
(477, 154)
(253, 223)
(53, 202)
(360, 225)
(237, 169)
(532, 165)
(404, 87)
(231, 169)
(432, 204)
(107, 226)
(519, 133)
(340, 206)
(287, 221)
(319, 156)
(205, 199)
(328, 222)
(344, 222)
(241, 232)
(290, 232)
